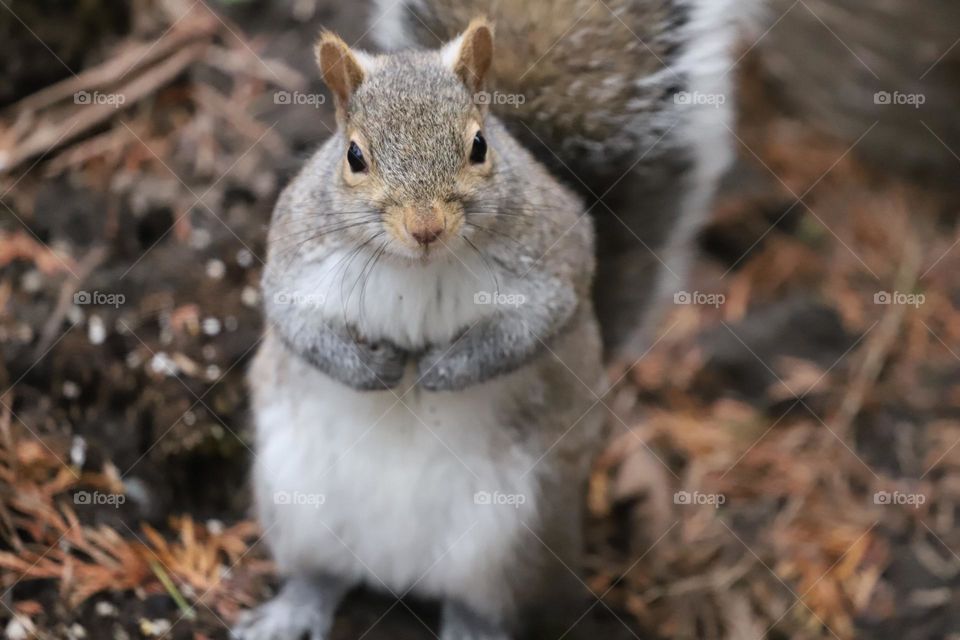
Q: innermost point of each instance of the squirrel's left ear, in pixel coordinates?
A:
(340, 68)
(470, 55)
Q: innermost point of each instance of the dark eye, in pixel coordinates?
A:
(355, 158)
(479, 151)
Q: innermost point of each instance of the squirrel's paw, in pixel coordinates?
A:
(283, 619)
(363, 366)
(303, 610)
(443, 369)
(382, 366)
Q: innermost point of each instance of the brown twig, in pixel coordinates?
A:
(90, 261)
(52, 131)
(880, 343)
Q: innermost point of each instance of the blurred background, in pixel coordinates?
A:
(786, 457)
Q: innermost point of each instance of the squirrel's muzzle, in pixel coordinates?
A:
(425, 225)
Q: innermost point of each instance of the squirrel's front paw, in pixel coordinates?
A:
(380, 366)
(445, 370)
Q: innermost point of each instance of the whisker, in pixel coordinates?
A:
(496, 281)
(494, 232)
(343, 276)
(363, 289)
(323, 230)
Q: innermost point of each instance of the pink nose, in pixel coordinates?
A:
(426, 235)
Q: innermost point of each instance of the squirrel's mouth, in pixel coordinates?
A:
(423, 236)
(439, 250)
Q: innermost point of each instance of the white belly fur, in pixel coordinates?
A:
(387, 487)
(410, 304)
(390, 484)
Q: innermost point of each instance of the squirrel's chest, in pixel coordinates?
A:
(412, 304)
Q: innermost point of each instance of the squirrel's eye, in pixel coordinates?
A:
(355, 158)
(479, 151)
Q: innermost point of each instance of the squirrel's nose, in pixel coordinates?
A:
(426, 235)
(424, 223)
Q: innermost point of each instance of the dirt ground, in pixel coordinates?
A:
(786, 458)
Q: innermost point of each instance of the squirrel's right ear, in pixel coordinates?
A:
(339, 67)
(470, 55)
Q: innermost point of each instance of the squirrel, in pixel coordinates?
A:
(428, 395)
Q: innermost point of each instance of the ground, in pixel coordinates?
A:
(785, 461)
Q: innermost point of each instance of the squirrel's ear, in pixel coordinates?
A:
(339, 67)
(470, 55)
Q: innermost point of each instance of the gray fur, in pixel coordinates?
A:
(336, 352)
(504, 342)
(520, 378)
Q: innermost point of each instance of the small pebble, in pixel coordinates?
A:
(244, 258)
(77, 632)
(211, 326)
(162, 363)
(250, 296)
(155, 628)
(200, 239)
(213, 372)
(19, 628)
(105, 609)
(134, 360)
(32, 281)
(216, 269)
(96, 331)
(78, 451)
(71, 389)
(139, 493)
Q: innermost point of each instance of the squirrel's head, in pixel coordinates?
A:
(412, 135)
